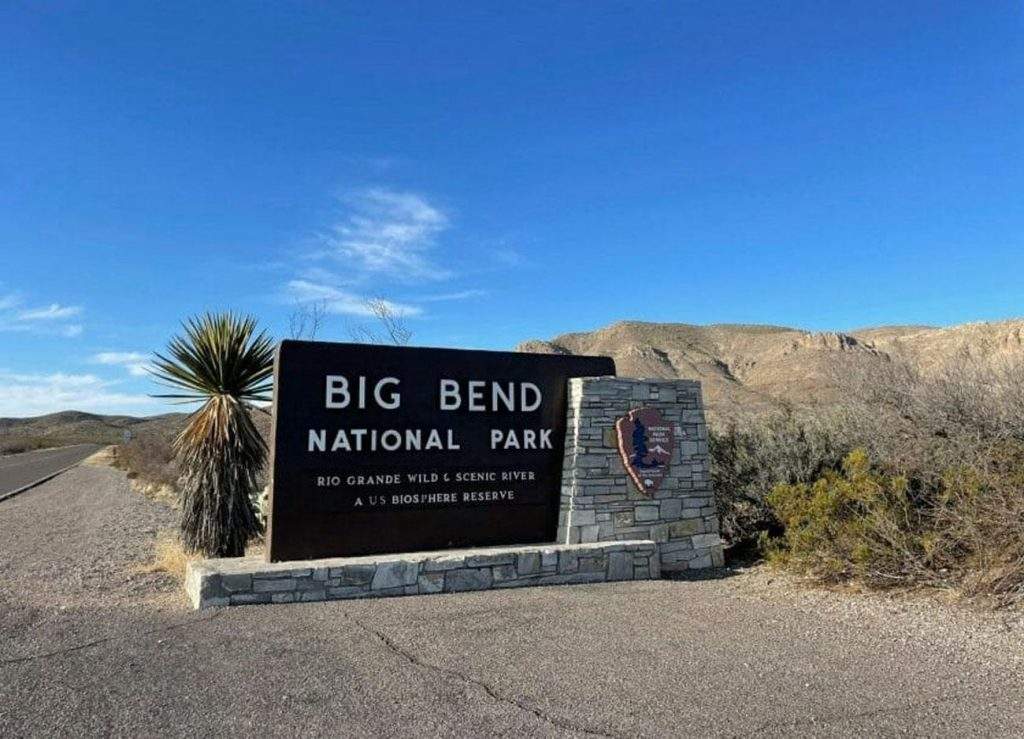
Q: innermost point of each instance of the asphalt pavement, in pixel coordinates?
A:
(90, 644)
(18, 470)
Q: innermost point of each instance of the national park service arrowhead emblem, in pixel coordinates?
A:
(646, 443)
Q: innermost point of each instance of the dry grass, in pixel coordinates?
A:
(103, 458)
(152, 470)
(149, 458)
(157, 492)
(169, 556)
(256, 548)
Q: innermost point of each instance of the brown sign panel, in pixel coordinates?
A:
(389, 449)
(646, 443)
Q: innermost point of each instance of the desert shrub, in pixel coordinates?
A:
(925, 423)
(20, 444)
(750, 457)
(854, 523)
(913, 478)
(150, 459)
(965, 531)
(976, 533)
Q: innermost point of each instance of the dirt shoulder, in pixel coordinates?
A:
(77, 541)
(938, 618)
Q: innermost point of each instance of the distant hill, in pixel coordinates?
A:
(76, 427)
(745, 367)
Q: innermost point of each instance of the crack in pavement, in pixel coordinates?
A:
(104, 640)
(490, 690)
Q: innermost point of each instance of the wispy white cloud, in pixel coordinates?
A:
(459, 295)
(136, 363)
(341, 301)
(386, 241)
(50, 319)
(38, 394)
(389, 233)
(52, 312)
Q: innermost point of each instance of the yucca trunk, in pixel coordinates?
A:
(222, 455)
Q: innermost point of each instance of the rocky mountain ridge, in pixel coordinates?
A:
(746, 367)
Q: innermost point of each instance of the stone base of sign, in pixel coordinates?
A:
(232, 582)
(601, 503)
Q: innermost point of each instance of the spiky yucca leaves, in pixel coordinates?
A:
(221, 362)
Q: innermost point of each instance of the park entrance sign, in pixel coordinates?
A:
(403, 471)
(380, 449)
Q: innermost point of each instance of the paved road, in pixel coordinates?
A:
(91, 646)
(17, 470)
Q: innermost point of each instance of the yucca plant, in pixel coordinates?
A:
(221, 362)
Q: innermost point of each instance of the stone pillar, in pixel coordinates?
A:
(601, 502)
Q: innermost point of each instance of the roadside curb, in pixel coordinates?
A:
(40, 481)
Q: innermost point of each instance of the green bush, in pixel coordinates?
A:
(911, 479)
(750, 457)
(853, 523)
(965, 531)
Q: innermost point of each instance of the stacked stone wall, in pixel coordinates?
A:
(231, 582)
(599, 500)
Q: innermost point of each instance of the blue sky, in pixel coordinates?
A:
(499, 171)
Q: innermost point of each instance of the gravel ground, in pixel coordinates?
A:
(92, 646)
